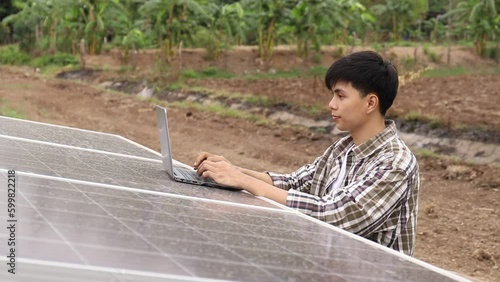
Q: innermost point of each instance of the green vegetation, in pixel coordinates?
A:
(58, 59)
(435, 58)
(41, 27)
(427, 153)
(209, 72)
(262, 101)
(220, 110)
(8, 112)
(313, 109)
(10, 55)
(294, 73)
(459, 71)
(15, 86)
(414, 116)
(418, 117)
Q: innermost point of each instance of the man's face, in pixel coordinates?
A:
(347, 107)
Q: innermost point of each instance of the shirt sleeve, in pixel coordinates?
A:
(360, 207)
(299, 179)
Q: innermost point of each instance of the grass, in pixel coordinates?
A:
(16, 86)
(313, 109)
(414, 116)
(262, 101)
(11, 55)
(431, 54)
(221, 111)
(8, 112)
(456, 71)
(58, 59)
(433, 122)
(176, 86)
(294, 73)
(209, 72)
(428, 153)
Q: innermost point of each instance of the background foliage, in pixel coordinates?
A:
(50, 26)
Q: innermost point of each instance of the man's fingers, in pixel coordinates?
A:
(215, 158)
(205, 156)
(200, 158)
(208, 174)
(205, 166)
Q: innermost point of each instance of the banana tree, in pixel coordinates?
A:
(226, 22)
(269, 15)
(173, 21)
(27, 23)
(401, 14)
(478, 18)
(93, 13)
(126, 29)
(311, 19)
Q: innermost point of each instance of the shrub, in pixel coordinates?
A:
(339, 51)
(435, 58)
(207, 40)
(490, 52)
(189, 74)
(11, 55)
(408, 62)
(59, 59)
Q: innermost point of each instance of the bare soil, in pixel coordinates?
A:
(459, 212)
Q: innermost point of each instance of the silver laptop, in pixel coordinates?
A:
(178, 173)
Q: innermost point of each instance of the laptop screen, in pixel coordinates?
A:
(166, 152)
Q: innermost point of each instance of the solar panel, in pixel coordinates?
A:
(104, 168)
(68, 136)
(96, 224)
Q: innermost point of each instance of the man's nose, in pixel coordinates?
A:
(333, 103)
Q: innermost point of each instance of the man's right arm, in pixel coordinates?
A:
(258, 175)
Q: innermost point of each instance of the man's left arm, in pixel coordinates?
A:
(362, 206)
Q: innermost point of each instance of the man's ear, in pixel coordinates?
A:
(371, 103)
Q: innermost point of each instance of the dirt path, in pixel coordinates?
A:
(458, 227)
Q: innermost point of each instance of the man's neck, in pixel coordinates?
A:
(369, 130)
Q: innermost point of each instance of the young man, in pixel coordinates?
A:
(367, 182)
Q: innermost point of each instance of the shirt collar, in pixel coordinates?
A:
(370, 146)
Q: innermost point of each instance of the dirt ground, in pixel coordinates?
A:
(459, 212)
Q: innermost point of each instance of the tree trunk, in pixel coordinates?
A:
(261, 43)
(497, 55)
(134, 56)
(168, 44)
(394, 28)
(82, 53)
(448, 56)
(270, 40)
(179, 58)
(415, 58)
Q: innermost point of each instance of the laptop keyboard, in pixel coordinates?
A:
(191, 175)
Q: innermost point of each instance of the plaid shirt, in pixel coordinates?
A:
(379, 196)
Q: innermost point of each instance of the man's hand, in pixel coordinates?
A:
(207, 156)
(223, 172)
(219, 169)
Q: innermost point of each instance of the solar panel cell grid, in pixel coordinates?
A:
(106, 169)
(72, 137)
(94, 216)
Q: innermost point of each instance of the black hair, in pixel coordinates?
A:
(368, 73)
